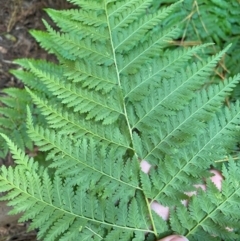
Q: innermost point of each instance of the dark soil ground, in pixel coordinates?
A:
(17, 17)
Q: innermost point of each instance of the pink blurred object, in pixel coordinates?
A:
(203, 187)
(161, 210)
(174, 238)
(145, 166)
(217, 179)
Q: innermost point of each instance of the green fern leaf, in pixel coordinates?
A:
(119, 96)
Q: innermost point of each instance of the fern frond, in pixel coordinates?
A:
(117, 97)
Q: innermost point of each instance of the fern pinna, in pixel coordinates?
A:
(117, 97)
(13, 119)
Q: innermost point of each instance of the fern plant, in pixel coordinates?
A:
(117, 97)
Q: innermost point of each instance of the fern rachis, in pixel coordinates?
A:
(116, 97)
